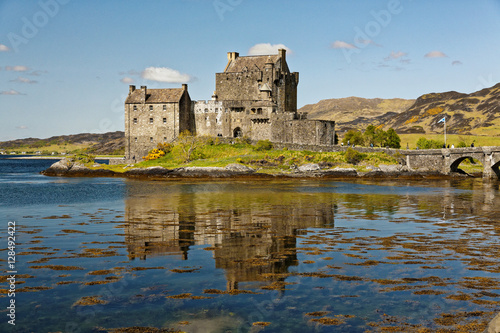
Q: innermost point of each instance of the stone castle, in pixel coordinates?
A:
(255, 97)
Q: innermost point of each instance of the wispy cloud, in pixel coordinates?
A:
(367, 42)
(127, 80)
(21, 79)
(395, 55)
(11, 92)
(4, 48)
(165, 74)
(338, 44)
(457, 63)
(436, 54)
(22, 127)
(37, 73)
(17, 68)
(267, 48)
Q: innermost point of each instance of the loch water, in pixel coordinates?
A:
(97, 254)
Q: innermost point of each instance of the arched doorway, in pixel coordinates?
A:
(237, 133)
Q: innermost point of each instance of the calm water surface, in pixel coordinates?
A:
(233, 256)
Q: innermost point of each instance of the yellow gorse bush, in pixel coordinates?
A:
(154, 154)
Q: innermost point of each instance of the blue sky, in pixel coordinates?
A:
(65, 65)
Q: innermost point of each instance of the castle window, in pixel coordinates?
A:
(135, 139)
(164, 138)
(150, 120)
(151, 139)
(216, 110)
(206, 110)
(253, 110)
(164, 108)
(151, 108)
(259, 111)
(135, 120)
(164, 120)
(135, 107)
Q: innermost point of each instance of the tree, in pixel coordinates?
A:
(392, 139)
(370, 135)
(353, 137)
(187, 144)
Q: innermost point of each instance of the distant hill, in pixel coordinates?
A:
(477, 113)
(356, 112)
(104, 144)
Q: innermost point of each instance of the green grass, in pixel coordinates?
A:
(479, 140)
(269, 161)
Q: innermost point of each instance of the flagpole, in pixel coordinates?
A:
(445, 131)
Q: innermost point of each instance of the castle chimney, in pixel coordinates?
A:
(145, 95)
(232, 55)
(184, 86)
(131, 89)
(282, 54)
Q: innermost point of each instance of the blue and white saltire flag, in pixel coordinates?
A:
(442, 120)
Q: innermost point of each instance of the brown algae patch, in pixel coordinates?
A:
(101, 272)
(185, 270)
(261, 323)
(58, 267)
(72, 231)
(89, 301)
(328, 321)
(317, 313)
(181, 296)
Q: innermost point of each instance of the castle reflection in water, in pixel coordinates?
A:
(252, 235)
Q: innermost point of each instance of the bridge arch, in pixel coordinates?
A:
(454, 165)
(496, 168)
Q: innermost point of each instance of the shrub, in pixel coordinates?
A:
(353, 156)
(262, 145)
(154, 154)
(165, 147)
(84, 158)
(423, 143)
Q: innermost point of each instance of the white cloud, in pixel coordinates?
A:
(436, 54)
(456, 62)
(16, 68)
(21, 79)
(267, 48)
(10, 92)
(127, 80)
(165, 74)
(395, 55)
(22, 127)
(4, 48)
(338, 44)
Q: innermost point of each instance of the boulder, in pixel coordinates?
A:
(309, 167)
(240, 168)
(58, 168)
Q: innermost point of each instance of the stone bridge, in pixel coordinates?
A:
(447, 160)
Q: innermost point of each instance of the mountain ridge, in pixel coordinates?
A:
(477, 113)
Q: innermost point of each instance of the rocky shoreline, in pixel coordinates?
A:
(66, 168)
